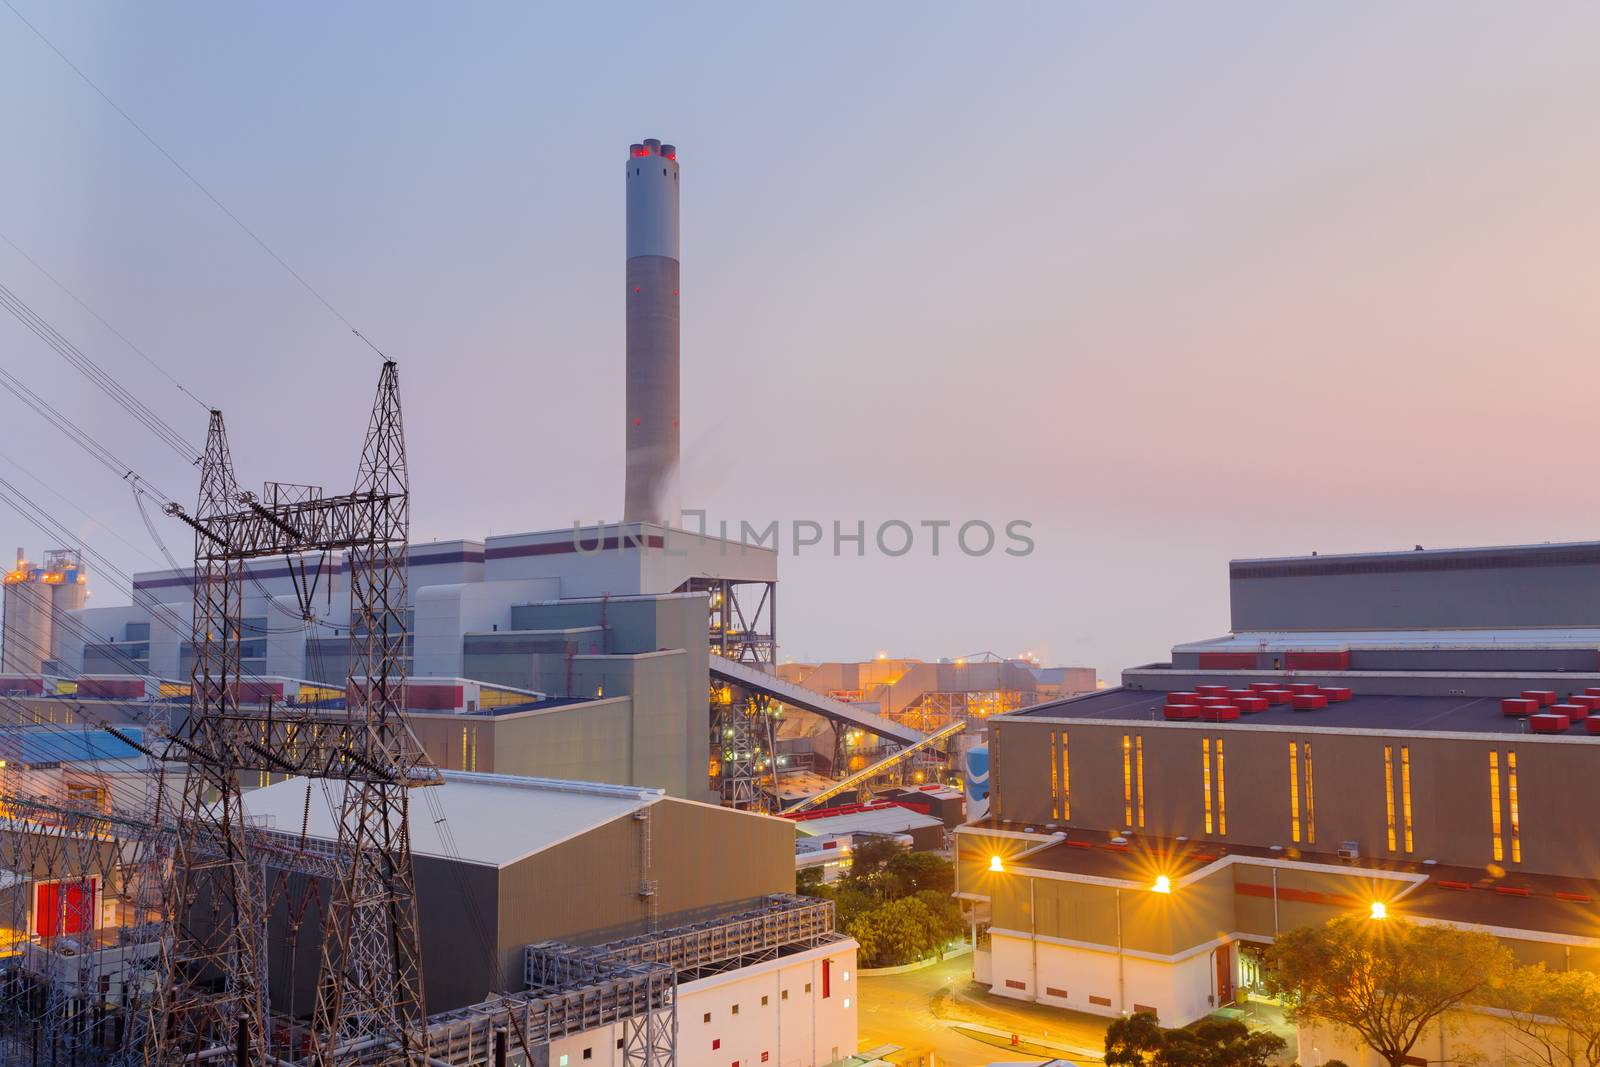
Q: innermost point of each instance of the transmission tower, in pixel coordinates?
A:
(210, 989)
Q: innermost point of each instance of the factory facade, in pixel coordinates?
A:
(1420, 750)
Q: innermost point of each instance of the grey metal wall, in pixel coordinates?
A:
(1541, 585)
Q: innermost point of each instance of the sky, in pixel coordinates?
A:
(1172, 284)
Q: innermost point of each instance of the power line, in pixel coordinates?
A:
(141, 353)
(209, 195)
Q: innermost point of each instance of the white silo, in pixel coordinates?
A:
(652, 335)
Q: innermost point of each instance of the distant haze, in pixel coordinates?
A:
(1175, 283)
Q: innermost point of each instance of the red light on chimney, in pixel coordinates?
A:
(672, 156)
(642, 152)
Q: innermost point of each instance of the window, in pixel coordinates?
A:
(763, 1055)
(1294, 792)
(1138, 774)
(1222, 793)
(1511, 797)
(1405, 794)
(706, 1018)
(1494, 805)
(1388, 793)
(847, 976)
(808, 987)
(564, 1059)
(784, 995)
(1066, 780)
(1055, 776)
(1127, 780)
(763, 1001)
(1052, 991)
(1012, 983)
(1205, 758)
(735, 1010)
(1102, 1002)
(588, 1053)
(716, 1043)
(1311, 803)
(847, 1002)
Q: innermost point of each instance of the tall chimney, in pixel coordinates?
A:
(652, 369)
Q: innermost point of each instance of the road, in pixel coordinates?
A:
(921, 1010)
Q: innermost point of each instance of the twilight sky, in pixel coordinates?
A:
(1174, 283)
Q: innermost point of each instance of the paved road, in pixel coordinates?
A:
(916, 1010)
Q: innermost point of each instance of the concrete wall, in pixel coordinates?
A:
(1539, 585)
(1450, 788)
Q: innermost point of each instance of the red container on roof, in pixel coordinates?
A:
(1573, 712)
(1211, 690)
(1518, 706)
(1317, 661)
(1309, 701)
(1227, 661)
(1219, 713)
(1213, 701)
(1235, 694)
(1302, 687)
(1278, 696)
(1251, 705)
(1545, 697)
(1546, 723)
(1183, 698)
(1593, 691)
(1335, 693)
(1181, 711)
(1585, 699)
(1262, 687)
(1592, 724)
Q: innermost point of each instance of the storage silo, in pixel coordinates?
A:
(25, 625)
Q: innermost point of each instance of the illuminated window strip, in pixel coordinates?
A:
(1138, 761)
(1388, 792)
(1066, 779)
(1294, 792)
(1205, 762)
(1222, 794)
(1055, 778)
(1311, 800)
(1127, 780)
(1494, 805)
(1405, 793)
(1511, 797)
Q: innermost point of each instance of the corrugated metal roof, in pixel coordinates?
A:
(489, 819)
(890, 820)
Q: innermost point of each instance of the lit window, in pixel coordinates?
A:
(1405, 793)
(1388, 792)
(1205, 761)
(847, 1002)
(1138, 764)
(564, 1059)
(1311, 803)
(1511, 798)
(1066, 780)
(847, 976)
(1055, 777)
(1222, 793)
(1494, 805)
(1294, 792)
(1127, 780)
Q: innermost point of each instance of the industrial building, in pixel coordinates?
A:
(1408, 729)
(35, 597)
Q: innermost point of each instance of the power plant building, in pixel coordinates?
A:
(1404, 734)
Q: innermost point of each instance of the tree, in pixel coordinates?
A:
(1140, 1041)
(1554, 1015)
(917, 872)
(808, 881)
(1218, 1043)
(900, 931)
(1387, 979)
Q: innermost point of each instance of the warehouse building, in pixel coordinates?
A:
(1424, 749)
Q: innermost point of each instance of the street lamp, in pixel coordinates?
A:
(1163, 884)
(1379, 910)
(996, 866)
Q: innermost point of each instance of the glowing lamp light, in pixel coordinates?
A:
(996, 866)
(1379, 910)
(1163, 884)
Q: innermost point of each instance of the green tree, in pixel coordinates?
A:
(1387, 980)
(897, 932)
(1133, 1041)
(1554, 1015)
(808, 881)
(917, 872)
(1218, 1043)
(869, 867)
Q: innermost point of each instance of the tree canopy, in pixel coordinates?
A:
(1140, 1041)
(1387, 980)
(1554, 1015)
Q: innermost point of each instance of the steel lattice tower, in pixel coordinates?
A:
(210, 989)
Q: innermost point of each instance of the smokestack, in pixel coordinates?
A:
(652, 368)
